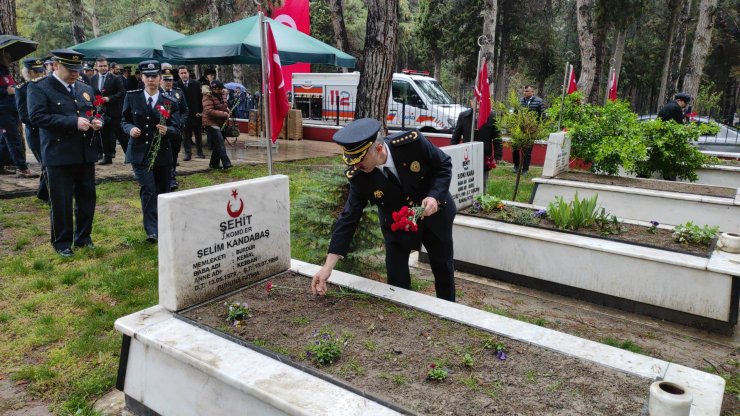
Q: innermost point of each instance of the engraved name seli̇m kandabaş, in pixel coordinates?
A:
(219, 264)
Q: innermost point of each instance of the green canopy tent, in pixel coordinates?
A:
(239, 43)
(132, 44)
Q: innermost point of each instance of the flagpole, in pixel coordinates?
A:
(481, 40)
(267, 128)
(566, 79)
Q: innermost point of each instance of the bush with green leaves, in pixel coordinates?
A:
(578, 213)
(326, 348)
(670, 150)
(314, 214)
(577, 111)
(691, 233)
(487, 203)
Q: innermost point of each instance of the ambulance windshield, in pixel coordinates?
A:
(434, 91)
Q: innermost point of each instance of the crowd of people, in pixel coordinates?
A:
(76, 114)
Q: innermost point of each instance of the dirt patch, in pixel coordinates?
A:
(628, 233)
(389, 349)
(652, 184)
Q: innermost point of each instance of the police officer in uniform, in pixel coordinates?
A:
(33, 68)
(176, 94)
(141, 121)
(673, 110)
(401, 169)
(57, 106)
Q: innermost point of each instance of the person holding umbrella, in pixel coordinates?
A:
(9, 119)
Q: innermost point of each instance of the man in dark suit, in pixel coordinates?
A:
(149, 149)
(488, 134)
(403, 169)
(193, 123)
(56, 105)
(110, 87)
(177, 95)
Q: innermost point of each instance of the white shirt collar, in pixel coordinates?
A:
(388, 162)
(155, 97)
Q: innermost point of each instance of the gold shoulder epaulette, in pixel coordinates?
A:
(39, 79)
(405, 138)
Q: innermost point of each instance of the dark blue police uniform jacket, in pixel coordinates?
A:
(423, 170)
(178, 95)
(137, 113)
(21, 100)
(54, 111)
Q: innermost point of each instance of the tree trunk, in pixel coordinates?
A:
(501, 54)
(214, 20)
(674, 5)
(95, 23)
(437, 58)
(379, 56)
(78, 21)
(674, 73)
(584, 10)
(490, 11)
(700, 49)
(337, 21)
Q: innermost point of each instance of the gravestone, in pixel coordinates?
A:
(467, 172)
(217, 239)
(557, 158)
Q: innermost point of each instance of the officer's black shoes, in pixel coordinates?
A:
(174, 185)
(26, 174)
(151, 238)
(186, 158)
(67, 252)
(106, 161)
(91, 246)
(4, 171)
(227, 167)
(201, 156)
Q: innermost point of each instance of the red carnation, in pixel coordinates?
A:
(89, 113)
(164, 112)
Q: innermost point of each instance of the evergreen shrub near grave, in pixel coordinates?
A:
(315, 213)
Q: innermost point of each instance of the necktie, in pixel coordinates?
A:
(71, 90)
(149, 101)
(391, 177)
(186, 84)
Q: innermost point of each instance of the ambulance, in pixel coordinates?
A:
(416, 100)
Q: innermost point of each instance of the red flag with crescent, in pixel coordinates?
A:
(572, 85)
(613, 86)
(278, 97)
(483, 95)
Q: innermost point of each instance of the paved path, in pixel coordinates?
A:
(246, 151)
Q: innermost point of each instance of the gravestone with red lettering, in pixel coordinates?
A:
(467, 172)
(217, 239)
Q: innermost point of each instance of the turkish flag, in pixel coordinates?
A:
(276, 93)
(613, 86)
(572, 86)
(483, 95)
(295, 14)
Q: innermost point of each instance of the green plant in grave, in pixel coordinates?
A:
(691, 233)
(575, 214)
(467, 360)
(487, 203)
(437, 372)
(326, 347)
(608, 224)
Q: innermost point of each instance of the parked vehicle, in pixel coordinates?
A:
(416, 100)
(726, 135)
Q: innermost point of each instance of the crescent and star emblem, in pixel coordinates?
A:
(234, 214)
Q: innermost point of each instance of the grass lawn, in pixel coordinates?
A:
(56, 315)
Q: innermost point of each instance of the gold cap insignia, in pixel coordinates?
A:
(75, 58)
(415, 166)
(378, 194)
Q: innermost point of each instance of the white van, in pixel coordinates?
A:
(416, 100)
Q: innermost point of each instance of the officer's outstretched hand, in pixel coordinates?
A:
(318, 283)
(83, 124)
(430, 206)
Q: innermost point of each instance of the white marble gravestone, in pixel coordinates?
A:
(467, 172)
(557, 158)
(217, 239)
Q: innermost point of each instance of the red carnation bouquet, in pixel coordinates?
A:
(490, 162)
(406, 219)
(164, 114)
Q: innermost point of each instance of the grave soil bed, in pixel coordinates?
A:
(389, 348)
(631, 233)
(655, 185)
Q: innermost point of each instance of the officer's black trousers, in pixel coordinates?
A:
(34, 143)
(64, 184)
(440, 259)
(193, 127)
(152, 182)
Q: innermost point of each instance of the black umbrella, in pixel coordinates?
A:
(16, 47)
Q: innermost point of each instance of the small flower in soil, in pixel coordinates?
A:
(653, 226)
(326, 349)
(237, 312)
(541, 213)
(498, 347)
(501, 355)
(269, 288)
(477, 206)
(436, 372)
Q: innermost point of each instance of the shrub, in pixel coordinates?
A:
(316, 211)
(326, 348)
(575, 214)
(487, 203)
(692, 233)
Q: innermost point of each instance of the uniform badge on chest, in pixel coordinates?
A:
(86, 95)
(415, 166)
(378, 194)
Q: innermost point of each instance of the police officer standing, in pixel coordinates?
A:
(176, 94)
(33, 69)
(9, 121)
(673, 110)
(403, 169)
(109, 86)
(57, 105)
(150, 148)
